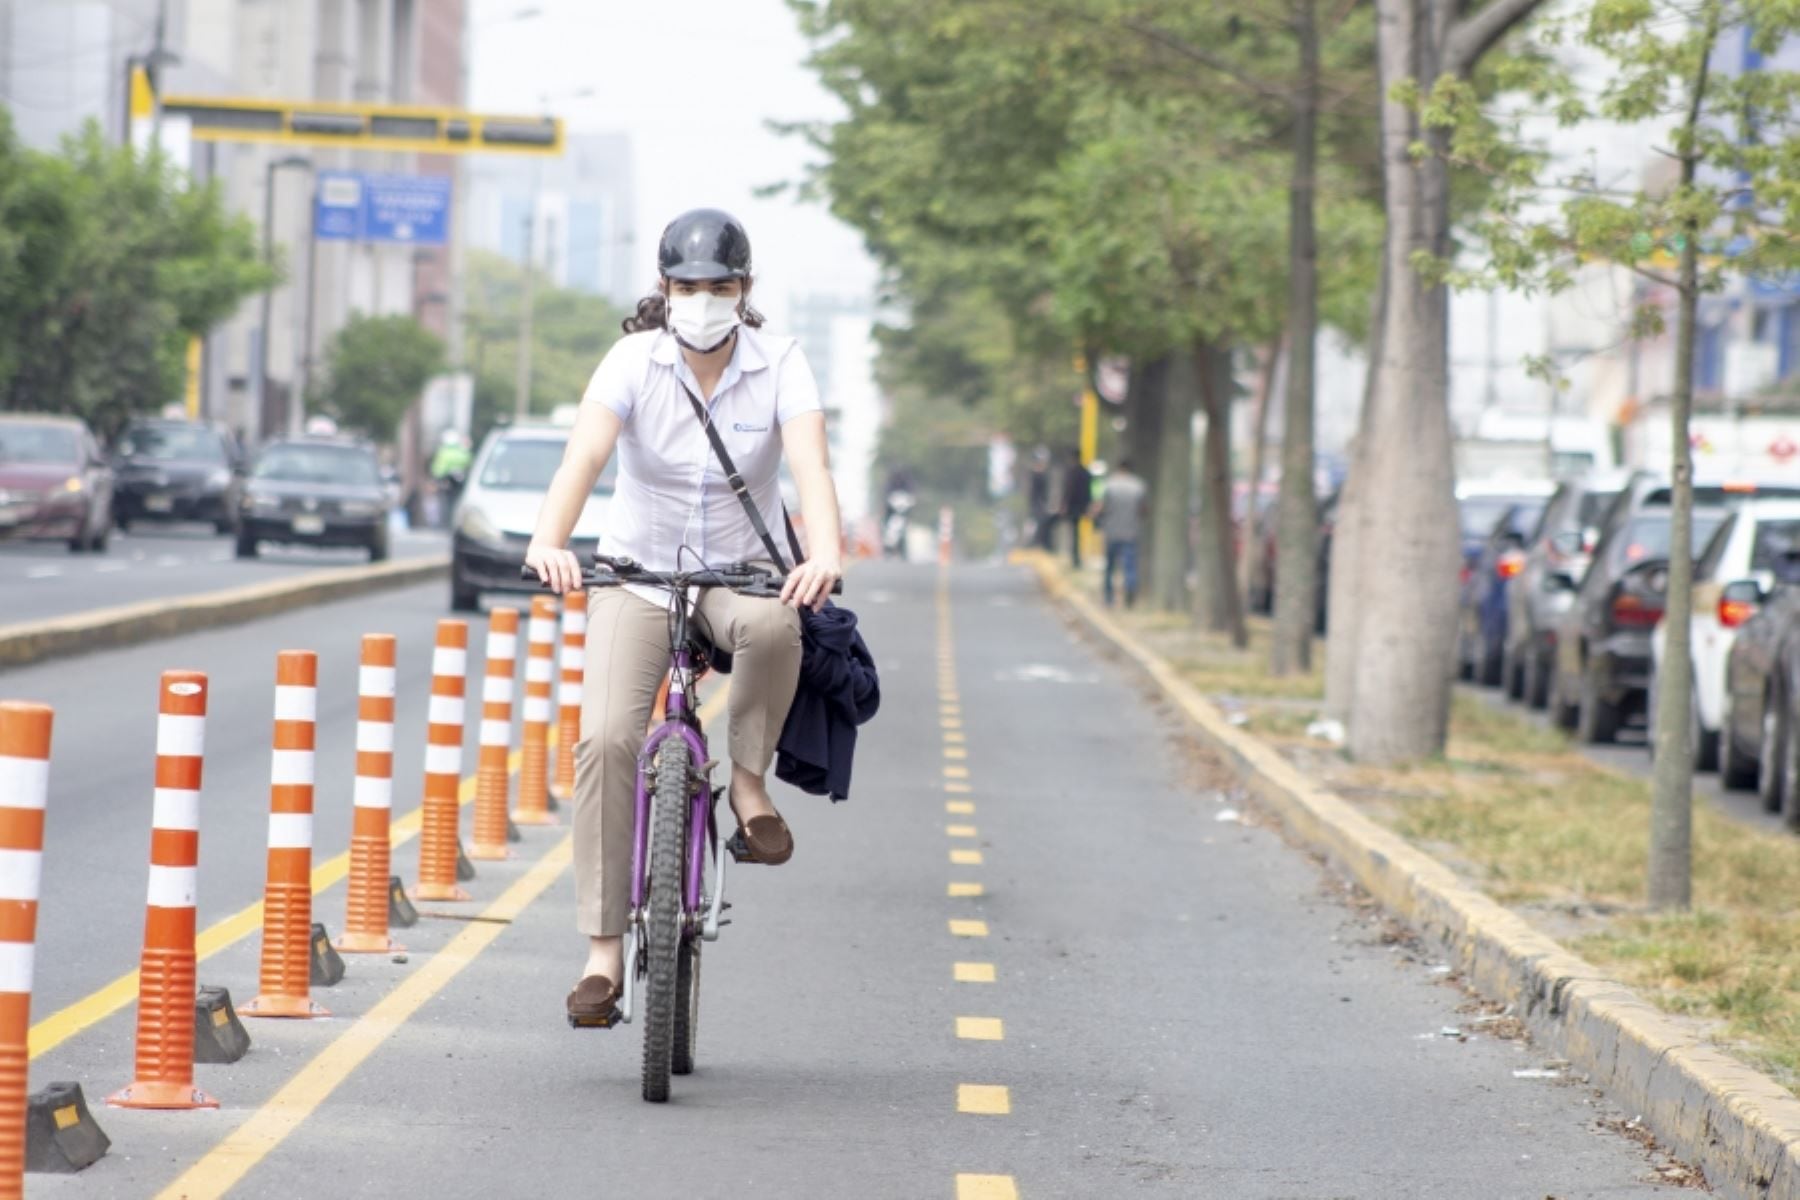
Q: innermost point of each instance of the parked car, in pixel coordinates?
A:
(499, 506)
(1756, 726)
(315, 491)
(1755, 545)
(1560, 546)
(54, 482)
(1483, 612)
(176, 471)
(1601, 672)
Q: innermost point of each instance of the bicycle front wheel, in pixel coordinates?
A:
(662, 926)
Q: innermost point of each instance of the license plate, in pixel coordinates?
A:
(160, 504)
(308, 525)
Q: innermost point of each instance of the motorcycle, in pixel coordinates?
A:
(893, 528)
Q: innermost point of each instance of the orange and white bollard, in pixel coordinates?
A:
(165, 1016)
(534, 761)
(568, 694)
(287, 897)
(24, 784)
(366, 899)
(946, 533)
(443, 765)
(493, 780)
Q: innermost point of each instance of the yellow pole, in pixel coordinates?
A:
(1090, 446)
(194, 357)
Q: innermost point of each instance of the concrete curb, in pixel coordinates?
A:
(150, 620)
(1738, 1125)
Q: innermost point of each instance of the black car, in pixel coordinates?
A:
(1482, 611)
(1602, 665)
(176, 471)
(316, 492)
(1758, 745)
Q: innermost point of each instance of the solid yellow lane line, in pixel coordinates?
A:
(228, 1162)
(90, 1010)
(967, 972)
(983, 1099)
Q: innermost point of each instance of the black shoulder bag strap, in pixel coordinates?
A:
(741, 490)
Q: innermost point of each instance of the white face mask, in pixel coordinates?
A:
(703, 321)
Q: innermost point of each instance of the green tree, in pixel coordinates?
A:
(109, 263)
(375, 369)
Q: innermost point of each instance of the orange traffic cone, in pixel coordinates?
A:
(165, 1016)
(568, 695)
(443, 766)
(493, 779)
(366, 898)
(24, 782)
(287, 897)
(534, 763)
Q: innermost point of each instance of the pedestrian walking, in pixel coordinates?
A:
(1123, 501)
(1077, 501)
(1037, 497)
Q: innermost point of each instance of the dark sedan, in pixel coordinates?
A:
(175, 471)
(1757, 729)
(1603, 659)
(315, 492)
(54, 483)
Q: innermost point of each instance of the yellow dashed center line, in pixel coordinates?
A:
(955, 752)
(962, 831)
(968, 928)
(969, 972)
(956, 772)
(986, 1187)
(983, 1099)
(980, 1029)
(956, 787)
(965, 858)
(965, 889)
(960, 808)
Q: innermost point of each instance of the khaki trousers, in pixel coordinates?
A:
(627, 660)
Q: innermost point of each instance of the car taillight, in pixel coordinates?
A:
(1509, 565)
(1463, 575)
(1733, 613)
(1634, 610)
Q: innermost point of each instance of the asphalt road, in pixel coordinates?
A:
(43, 579)
(1180, 1004)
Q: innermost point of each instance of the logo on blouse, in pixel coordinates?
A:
(741, 427)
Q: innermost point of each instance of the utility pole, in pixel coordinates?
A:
(156, 59)
(522, 395)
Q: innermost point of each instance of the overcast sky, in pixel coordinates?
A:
(693, 84)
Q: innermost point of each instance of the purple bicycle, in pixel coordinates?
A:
(676, 831)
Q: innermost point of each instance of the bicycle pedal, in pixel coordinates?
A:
(739, 849)
(594, 1022)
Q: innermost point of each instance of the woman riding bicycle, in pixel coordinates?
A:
(672, 510)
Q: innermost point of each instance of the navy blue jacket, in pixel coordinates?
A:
(839, 690)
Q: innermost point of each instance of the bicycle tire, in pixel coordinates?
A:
(687, 1007)
(662, 927)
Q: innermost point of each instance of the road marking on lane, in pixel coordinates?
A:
(980, 1029)
(960, 808)
(965, 889)
(986, 1187)
(45, 572)
(57, 1028)
(965, 858)
(228, 1162)
(983, 1099)
(955, 752)
(971, 972)
(961, 831)
(968, 928)
(950, 710)
(956, 772)
(953, 737)
(957, 788)
(107, 568)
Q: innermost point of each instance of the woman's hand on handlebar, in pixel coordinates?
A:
(557, 568)
(809, 584)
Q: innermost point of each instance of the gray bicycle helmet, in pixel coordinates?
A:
(702, 245)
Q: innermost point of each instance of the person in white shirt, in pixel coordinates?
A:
(673, 509)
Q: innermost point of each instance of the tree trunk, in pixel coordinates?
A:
(1162, 450)
(1408, 538)
(1250, 562)
(1219, 606)
(1672, 781)
(1296, 544)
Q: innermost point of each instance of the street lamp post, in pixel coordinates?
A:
(268, 296)
(528, 301)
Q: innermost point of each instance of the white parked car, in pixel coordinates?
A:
(1752, 545)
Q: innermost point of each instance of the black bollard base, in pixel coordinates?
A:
(61, 1135)
(401, 913)
(325, 967)
(465, 870)
(219, 1037)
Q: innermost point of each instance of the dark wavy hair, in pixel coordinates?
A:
(653, 312)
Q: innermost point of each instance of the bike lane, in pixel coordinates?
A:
(1038, 959)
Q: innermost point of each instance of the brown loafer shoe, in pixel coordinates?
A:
(768, 839)
(594, 1003)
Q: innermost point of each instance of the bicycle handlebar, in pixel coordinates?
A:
(739, 577)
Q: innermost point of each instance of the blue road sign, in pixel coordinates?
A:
(351, 206)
